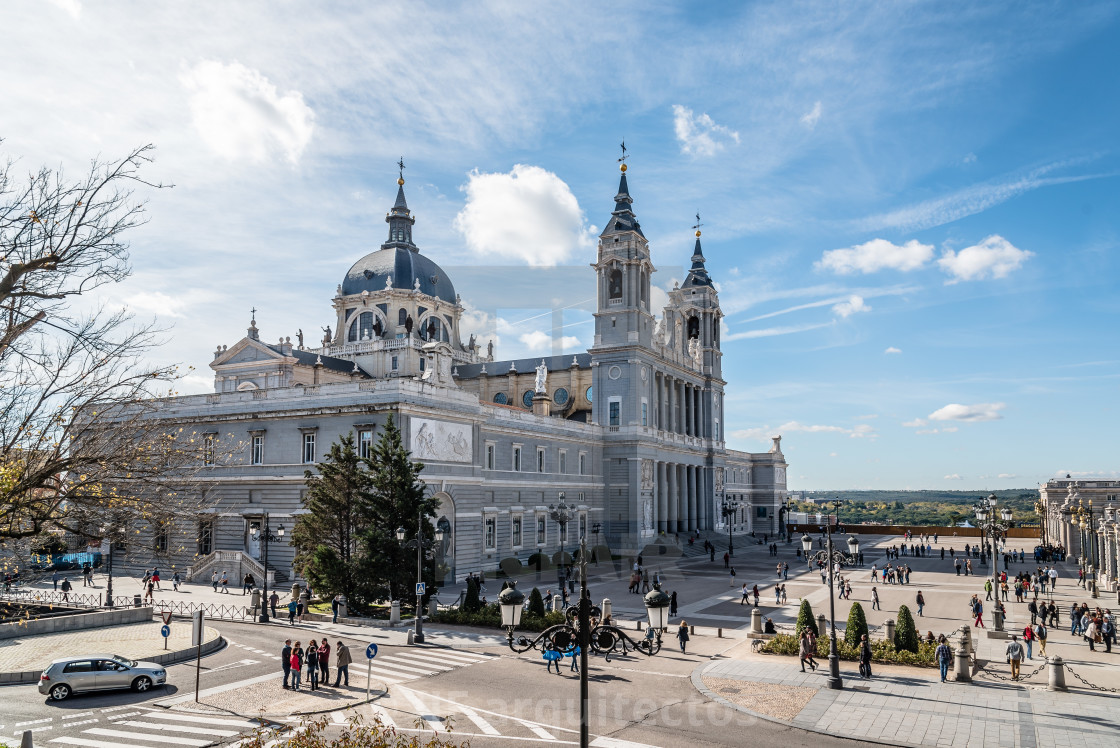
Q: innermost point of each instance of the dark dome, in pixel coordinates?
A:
(405, 266)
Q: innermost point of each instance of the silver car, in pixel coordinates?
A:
(101, 672)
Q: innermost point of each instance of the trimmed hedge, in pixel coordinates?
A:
(536, 604)
(881, 650)
(490, 616)
(905, 634)
(805, 619)
(857, 625)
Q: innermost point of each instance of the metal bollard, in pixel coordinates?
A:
(637, 625)
(692, 630)
(964, 667)
(606, 608)
(26, 741)
(395, 613)
(1057, 674)
(719, 633)
(822, 629)
(889, 624)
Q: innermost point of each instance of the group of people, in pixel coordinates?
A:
(892, 574)
(315, 660)
(1096, 626)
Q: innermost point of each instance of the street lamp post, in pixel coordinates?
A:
(834, 559)
(561, 514)
(787, 504)
(603, 639)
(109, 580)
(1090, 553)
(265, 534)
(985, 510)
(730, 506)
(596, 529)
(419, 542)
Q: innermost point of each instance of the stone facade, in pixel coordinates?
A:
(630, 433)
(1084, 517)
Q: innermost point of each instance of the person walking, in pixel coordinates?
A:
(978, 611)
(726, 560)
(342, 660)
(224, 581)
(56, 578)
(214, 580)
(552, 656)
(1015, 656)
(155, 578)
(875, 599)
(988, 589)
(66, 589)
(785, 570)
(957, 564)
(175, 581)
(1091, 633)
(732, 576)
(746, 595)
(805, 651)
(573, 652)
(682, 635)
(286, 660)
(864, 657)
(755, 592)
(673, 604)
(1028, 640)
(325, 662)
(292, 613)
(1040, 633)
(273, 601)
(944, 656)
(247, 584)
(296, 663)
(334, 609)
(149, 592)
(313, 664)
(783, 594)
(921, 601)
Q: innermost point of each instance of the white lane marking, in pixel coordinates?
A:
(122, 716)
(421, 662)
(33, 722)
(179, 728)
(115, 709)
(219, 689)
(169, 739)
(539, 731)
(405, 665)
(83, 722)
(381, 713)
(434, 722)
(338, 718)
(75, 716)
(605, 742)
(451, 656)
(94, 743)
(205, 719)
(479, 722)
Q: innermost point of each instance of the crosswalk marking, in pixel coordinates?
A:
(479, 722)
(169, 739)
(66, 725)
(338, 718)
(208, 720)
(419, 660)
(539, 731)
(89, 743)
(398, 663)
(76, 716)
(194, 729)
(382, 714)
(122, 716)
(466, 657)
(434, 722)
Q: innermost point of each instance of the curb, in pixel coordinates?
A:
(698, 684)
(170, 658)
(384, 691)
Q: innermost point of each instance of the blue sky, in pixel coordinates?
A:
(911, 209)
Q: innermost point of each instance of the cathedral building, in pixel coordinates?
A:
(630, 434)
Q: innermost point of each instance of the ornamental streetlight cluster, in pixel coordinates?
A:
(1090, 561)
(604, 638)
(419, 544)
(835, 559)
(561, 514)
(985, 510)
(265, 534)
(730, 506)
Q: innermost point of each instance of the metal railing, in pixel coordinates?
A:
(210, 610)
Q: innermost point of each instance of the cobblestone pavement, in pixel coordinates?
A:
(135, 641)
(909, 706)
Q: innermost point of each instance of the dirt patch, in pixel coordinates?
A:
(779, 702)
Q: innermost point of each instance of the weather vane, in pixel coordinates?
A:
(400, 166)
(624, 156)
(698, 224)
(254, 312)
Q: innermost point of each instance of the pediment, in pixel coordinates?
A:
(246, 350)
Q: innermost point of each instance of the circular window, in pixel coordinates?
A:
(501, 398)
(589, 395)
(527, 398)
(560, 397)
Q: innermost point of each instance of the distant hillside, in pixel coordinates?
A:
(954, 497)
(919, 507)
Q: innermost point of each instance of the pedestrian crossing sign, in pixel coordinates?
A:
(419, 588)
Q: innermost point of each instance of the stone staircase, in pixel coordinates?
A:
(237, 564)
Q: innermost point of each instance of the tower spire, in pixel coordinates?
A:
(399, 218)
(698, 274)
(622, 217)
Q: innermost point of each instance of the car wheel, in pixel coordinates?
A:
(142, 684)
(60, 692)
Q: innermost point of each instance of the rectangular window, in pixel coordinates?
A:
(205, 537)
(162, 538)
(582, 463)
(540, 460)
(645, 413)
(517, 459)
(421, 364)
(308, 448)
(490, 449)
(365, 443)
(395, 360)
(516, 532)
(760, 512)
(208, 449)
(490, 525)
(257, 452)
(563, 461)
(582, 526)
(615, 413)
(540, 531)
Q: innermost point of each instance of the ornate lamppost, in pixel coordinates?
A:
(986, 519)
(604, 639)
(730, 506)
(1090, 547)
(419, 544)
(596, 529)
(561, 514)
(787, 505)
(265, 533)
(834, 559)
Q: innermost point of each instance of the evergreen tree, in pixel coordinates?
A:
(398, 501)
(339, 509)
(905, 632)
(536, 603)
(471, 603)
(857, 625)
(805, 619)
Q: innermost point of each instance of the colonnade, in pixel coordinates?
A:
(678, 406)
(681, 498)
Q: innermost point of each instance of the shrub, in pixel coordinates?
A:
(805, 619)
(881, 651)
(471, 603)
(539, 561)
(511, 567)
(857, 625)
(490, 616)
(536, 604)
(905, 633)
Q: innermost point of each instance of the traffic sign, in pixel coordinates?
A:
(419, 588)
(165, 631)
(371, 651)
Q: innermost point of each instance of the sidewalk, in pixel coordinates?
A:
(909, 706)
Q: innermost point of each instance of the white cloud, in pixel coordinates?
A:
(73, 8)
(926, 431)
(541, 342)
(970, 158)
(1007, 476)
(875, 255)
(529, 215)
(700, 136)
(916, 423)
(772, 331)
(949, 429)
(853, 305)
(860, 431)
(954, 476)
(977, 412)
(892, 349)
(994, 257)
(240, 114)
(812, 117)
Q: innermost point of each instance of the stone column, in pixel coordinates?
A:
(686, 429)
(699, 394)
(671, 498)
(662, 499)
(670, 425)
(682, 499)
(680, 415)
(692, 523)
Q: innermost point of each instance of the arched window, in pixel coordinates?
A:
(361, 329)
(402, 316)
(614, 284)
(645, 288)
(694, 326)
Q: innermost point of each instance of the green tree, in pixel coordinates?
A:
(905, 633)
(536, 603)
(398, 501)
(339, 509)
(471, 603)
(857, 625)
(805, 619)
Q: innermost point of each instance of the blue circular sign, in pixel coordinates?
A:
(166, 631)
(371, 651)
